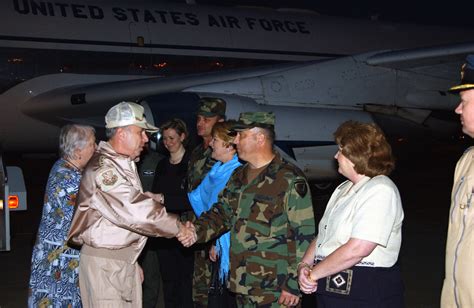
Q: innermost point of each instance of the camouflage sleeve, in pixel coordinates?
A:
(299, 207)
(215, 221)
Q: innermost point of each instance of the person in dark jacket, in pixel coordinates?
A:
(176, 262)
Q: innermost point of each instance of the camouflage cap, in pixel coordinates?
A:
(211, 106)
(467, 76)
(255, 119)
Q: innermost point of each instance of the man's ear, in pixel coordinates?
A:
(261, 137)
(121, 132)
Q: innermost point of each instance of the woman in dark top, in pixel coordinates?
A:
(176, 262)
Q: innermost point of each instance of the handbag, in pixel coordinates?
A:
(216, 287)
(217, 297)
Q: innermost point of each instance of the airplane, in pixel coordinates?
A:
(69, 61)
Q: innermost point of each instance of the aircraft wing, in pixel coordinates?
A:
(415, 78)
(401, 90)
(417, 57)
(406, 84)
(80, 99)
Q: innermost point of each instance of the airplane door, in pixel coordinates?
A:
(140, 50)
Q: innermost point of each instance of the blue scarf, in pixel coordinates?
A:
(205, 195)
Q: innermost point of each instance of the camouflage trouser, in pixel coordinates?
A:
(266, 300)
(202, 276)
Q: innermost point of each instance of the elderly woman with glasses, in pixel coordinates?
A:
(353, 261)
(54, 265)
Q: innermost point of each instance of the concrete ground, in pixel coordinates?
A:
(424, 178)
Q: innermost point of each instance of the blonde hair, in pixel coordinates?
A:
(223, 130)
(179, 126)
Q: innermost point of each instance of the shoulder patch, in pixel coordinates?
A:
(301, 187)
(108, 178)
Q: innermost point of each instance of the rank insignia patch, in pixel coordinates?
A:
(301, 188)
(108, 179)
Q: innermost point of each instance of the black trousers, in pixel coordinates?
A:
(177, 267)
(152, 286)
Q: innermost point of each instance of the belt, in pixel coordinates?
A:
(123, 254)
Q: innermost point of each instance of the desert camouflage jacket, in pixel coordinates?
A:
(112, 211)
(200, 162)
(271, 222)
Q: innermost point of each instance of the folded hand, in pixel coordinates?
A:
(307, 285)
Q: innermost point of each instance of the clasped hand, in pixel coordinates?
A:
(187, 234)
(307, 285)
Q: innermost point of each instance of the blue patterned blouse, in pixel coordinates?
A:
(54, 266)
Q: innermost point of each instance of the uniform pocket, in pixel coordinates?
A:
(260, 218)
(117, 280)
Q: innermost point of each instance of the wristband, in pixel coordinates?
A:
(311, 278)
(304, 264)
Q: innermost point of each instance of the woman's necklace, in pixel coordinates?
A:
(177, 157)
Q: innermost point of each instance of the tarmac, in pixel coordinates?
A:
(424, 177)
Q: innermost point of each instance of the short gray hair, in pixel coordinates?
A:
(110, 132)
(268, 133)
(73, 137)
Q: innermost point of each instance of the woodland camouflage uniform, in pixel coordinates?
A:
(271, 222)
(200, 163)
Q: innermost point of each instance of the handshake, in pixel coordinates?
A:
(187, 234)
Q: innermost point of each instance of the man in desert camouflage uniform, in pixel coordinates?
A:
(114, 217)
(267, 207)
(211, 110)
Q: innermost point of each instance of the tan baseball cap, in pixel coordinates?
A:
(127, 113)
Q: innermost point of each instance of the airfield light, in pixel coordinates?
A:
(13, 202)
(15, 60)
(160, 65)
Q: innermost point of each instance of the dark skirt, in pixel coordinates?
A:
(362, 286)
